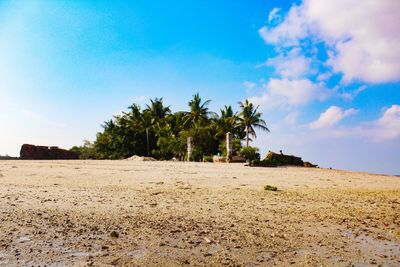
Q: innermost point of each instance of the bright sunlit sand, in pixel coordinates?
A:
(175, 213)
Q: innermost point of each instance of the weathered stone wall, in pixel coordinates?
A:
(282, 159)
(275, 160)
(45, 152)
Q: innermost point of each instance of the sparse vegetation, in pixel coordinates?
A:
(207, 159)
(87, 151)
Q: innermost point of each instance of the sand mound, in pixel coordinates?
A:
(139, 158)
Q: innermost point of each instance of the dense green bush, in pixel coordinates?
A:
(250, 153)
(87, 151)
(236, 144)
(168, 148)
(207, 159)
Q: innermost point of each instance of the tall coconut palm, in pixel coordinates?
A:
(250, 119)
(149, 117)
(135, 114)
(227, 122)
(140, 120)
(157, 109)
(152, 116)
(198, 111)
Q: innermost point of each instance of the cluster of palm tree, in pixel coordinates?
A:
(156, 131)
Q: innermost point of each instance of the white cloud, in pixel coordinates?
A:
(249, 85)
(284, 93)
(324, 76)
(287, 33)
(387, 127)
(362, 36)
(296, 91)
(351, 95)
(332, 116)
(292, 65)
(291, 118)
(273, 15)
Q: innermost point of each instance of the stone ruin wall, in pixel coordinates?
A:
(45, 152)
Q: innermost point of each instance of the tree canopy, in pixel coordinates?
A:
(156, 131)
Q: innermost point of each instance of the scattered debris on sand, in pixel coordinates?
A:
(139, 158)
(270, 188)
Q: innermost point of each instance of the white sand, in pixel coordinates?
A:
(174, 213)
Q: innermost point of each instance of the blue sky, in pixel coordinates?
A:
(326, 76)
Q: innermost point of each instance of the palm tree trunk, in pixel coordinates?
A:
(148, 142)
(247, 136)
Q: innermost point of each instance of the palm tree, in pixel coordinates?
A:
(140, 120)
(148, 118)
(198, 110)
(227, 122)
(135, 114)
(250, 119)
(157, 109)
(152, 116)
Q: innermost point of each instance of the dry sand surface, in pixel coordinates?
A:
(97, 213)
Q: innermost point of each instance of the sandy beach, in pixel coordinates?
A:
(98, 213)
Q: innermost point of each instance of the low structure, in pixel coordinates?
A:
(283, 159)
(45, 152)
(229, 147)
(238, 159)
(189, 148)
(275, 160)
(219, 159)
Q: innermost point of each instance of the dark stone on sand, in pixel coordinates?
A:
(309, 165)
(283, 159)
(45, 152)
(114, 234)
(270, 188)
(275, 160)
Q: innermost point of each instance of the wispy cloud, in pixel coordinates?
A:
(351, 95)
(291, 64)
(249, 85)
(332, 116)
(285, 93)
(273, 15)
(387, 127)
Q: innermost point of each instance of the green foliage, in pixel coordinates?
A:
(157, 132)
(87, 151)
(236, 144)
(250, 153)
(207, 159)
(169, 147)
(251, 119)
